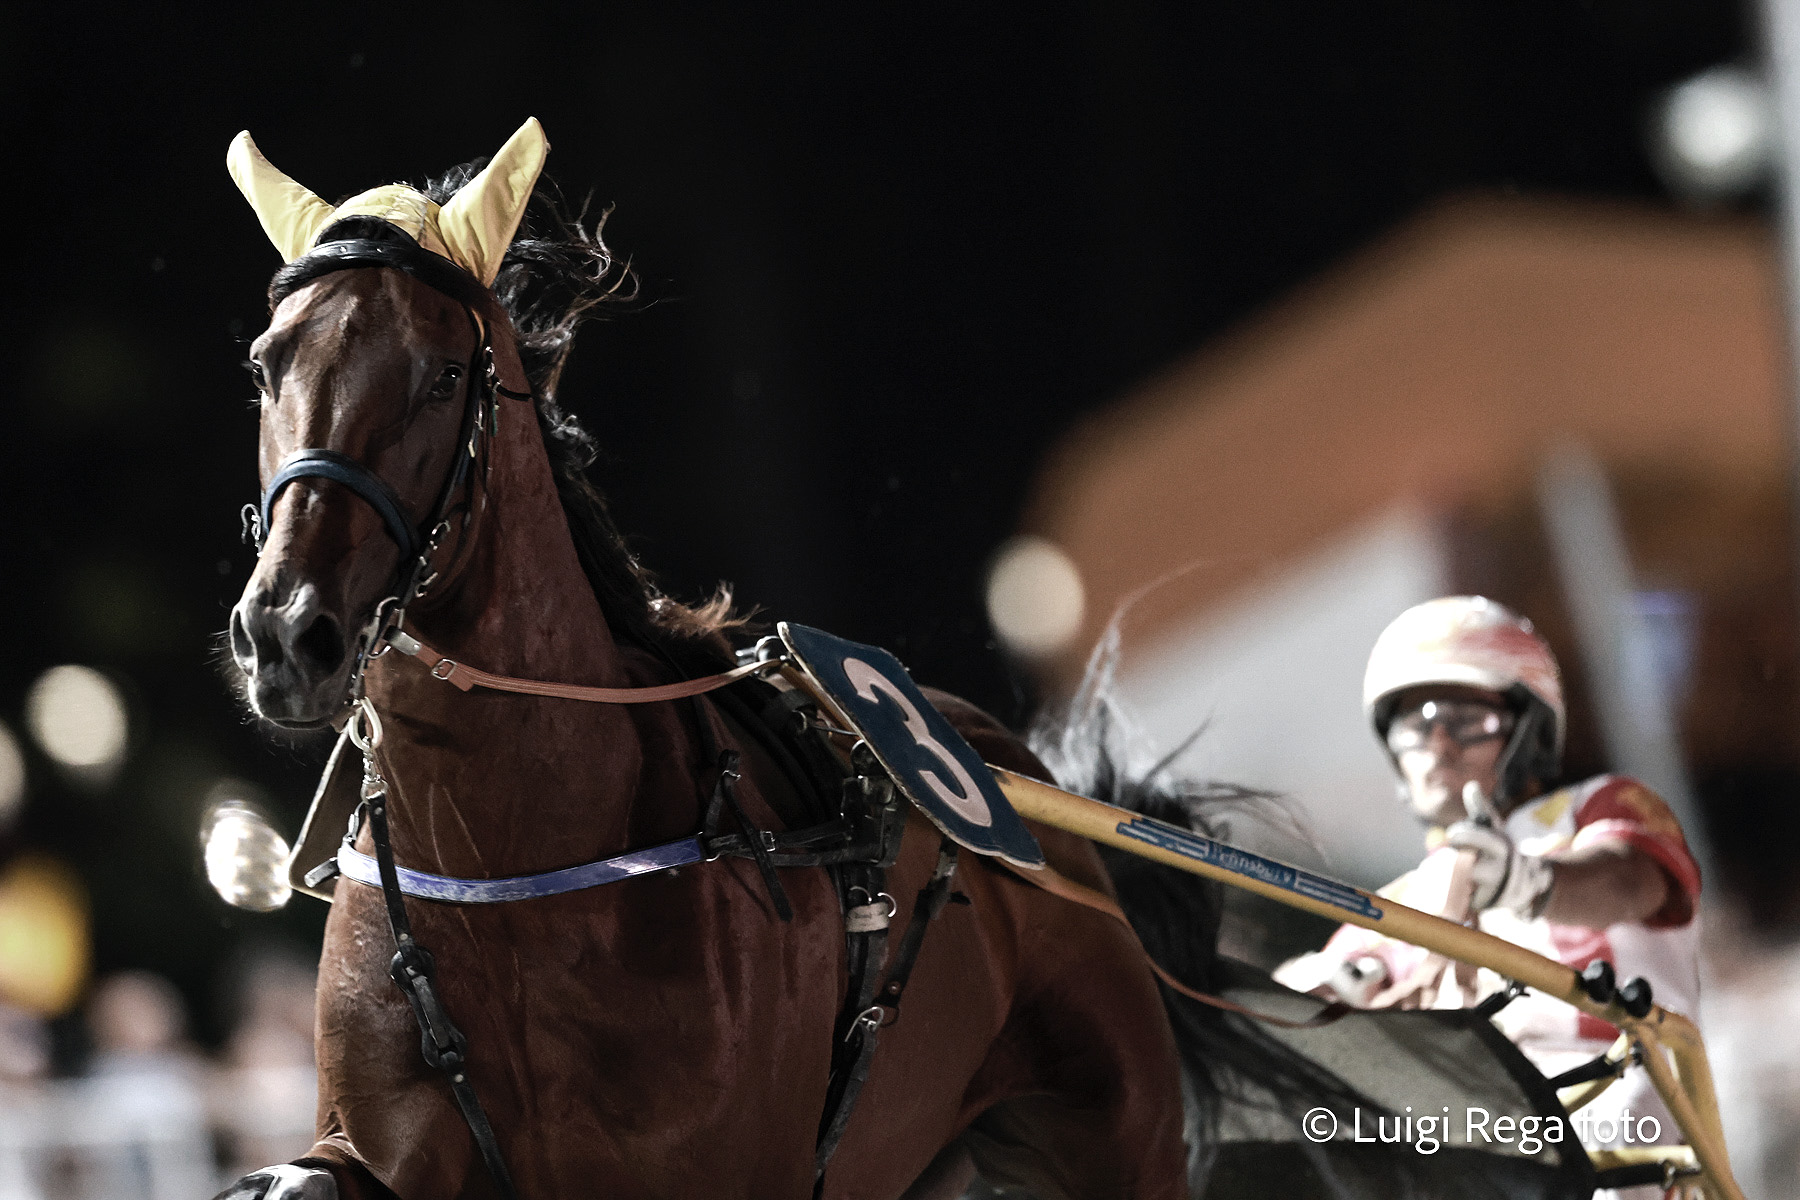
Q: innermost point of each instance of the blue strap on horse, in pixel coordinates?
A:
(446, 889)
(341, 468)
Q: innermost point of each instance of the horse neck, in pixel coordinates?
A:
(491, 783)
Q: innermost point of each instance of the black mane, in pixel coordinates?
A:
(557, 274)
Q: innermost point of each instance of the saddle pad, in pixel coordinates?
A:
(928, 760)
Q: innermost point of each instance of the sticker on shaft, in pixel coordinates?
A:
(1251, 866)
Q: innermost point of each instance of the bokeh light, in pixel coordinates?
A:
(12, 777)
(43, 936)
(78, 716)
(246, 859)
(1716, 137)
(1035, 599)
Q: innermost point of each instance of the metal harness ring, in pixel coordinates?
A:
(364, 726)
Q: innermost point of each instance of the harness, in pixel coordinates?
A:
(857, 837)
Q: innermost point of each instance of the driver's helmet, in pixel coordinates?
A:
(1472, 641)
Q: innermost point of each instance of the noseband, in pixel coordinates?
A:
(341, 468)
(412, 574)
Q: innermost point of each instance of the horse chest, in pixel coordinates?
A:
(654, 1013)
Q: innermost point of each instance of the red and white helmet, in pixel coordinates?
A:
(1470, 641)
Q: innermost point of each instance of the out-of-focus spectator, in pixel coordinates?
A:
(1754, 1047)
(263, 1102)
(137, 1125)
(24, 1046)
(24, 1061)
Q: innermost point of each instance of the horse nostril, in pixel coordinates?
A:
(241, 648)
(322, 643)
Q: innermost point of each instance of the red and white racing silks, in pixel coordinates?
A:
(1663, 949)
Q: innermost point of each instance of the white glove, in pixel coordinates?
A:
(1357, 981)
(1354, 981)
(1503, 877)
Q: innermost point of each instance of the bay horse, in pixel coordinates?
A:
(669, 1035)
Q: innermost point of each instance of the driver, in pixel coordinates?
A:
(1467, 700)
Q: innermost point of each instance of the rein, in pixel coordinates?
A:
(467, 677)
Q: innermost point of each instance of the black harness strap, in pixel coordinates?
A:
(724, 795)
(929, 903)
(854, 1055)
(443, 1045)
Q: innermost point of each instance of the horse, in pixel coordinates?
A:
(680, 1032)
(669, 1035)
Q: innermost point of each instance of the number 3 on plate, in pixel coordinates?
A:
(966, 802)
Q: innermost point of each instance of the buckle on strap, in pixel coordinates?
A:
(319, 874)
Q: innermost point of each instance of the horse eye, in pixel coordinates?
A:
(256, 374)
(446, 382)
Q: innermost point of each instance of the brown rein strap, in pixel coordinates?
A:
(467, 677)
(1056, 884)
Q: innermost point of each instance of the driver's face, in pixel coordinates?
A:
(1444, 740)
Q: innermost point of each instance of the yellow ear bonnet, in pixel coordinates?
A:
(472, 229)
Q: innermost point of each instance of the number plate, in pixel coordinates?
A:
(929, 760)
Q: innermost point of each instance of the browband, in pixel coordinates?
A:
(433, 270)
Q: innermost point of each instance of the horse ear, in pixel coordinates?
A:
(478, 223)
(290, 214)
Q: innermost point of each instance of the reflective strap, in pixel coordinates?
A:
(356, 865)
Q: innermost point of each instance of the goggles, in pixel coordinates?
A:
(1465, 722)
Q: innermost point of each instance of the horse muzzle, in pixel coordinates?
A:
(294, 653)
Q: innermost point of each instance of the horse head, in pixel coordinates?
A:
(379, 379)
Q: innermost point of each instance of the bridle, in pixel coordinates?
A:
(418, 544)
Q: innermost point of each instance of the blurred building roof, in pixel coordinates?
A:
(1433, 369)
